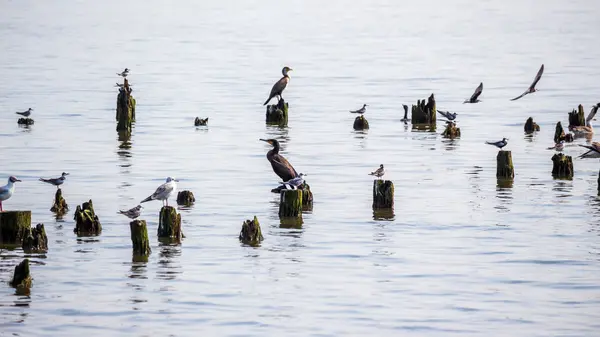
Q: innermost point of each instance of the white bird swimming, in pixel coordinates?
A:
(164, 191)
(56, 181)
(558, 146)
(499, 144)
(449, 115)
(7, 190)
(26, 113)
(295, 183)
(132, 213)
(361, 110)
(379, 172)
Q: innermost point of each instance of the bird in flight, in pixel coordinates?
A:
(532, 88)
(475, 95)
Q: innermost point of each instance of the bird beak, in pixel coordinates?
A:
(18, 180)
(290, 69)
(264, 140)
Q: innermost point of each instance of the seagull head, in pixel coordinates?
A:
(301, 175)
(13, 179)
(381, 166)
(169, 179)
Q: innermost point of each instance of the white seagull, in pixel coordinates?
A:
(379, 172)
(124, 73)
(295, 183)
(164, 191)
(7, 190)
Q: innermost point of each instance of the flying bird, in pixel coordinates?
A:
(449, 115)
(26, 113)
(532, 88)
(499, 144)
(476, 94)
(132, 213)
(56, 181)
(7, 190)
(124, 73)
(294, 184)
(361, 110)
(164, 191)
(280, 165)
(379, 172)
(280, 85)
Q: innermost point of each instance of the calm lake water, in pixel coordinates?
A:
(461, 257)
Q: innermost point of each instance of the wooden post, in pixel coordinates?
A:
(504, 165)
(361, 123)
(425, 113)
(383, 194)
(451, 131)
(277, 114)
(307, 197)
(169, 223)
(139, 238)
(36, 240)
(60, 204)
(598, 182)
(185, 198)
(577, 118)
(251, 233)
(531, 126)
(86, 220)
(22, 278)
(125, 108)
(25, 121)
(290, 203)
(562, 166)
(200, 122)
(559, 134)
(14, 226)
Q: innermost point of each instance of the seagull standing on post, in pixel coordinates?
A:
(56, 181)
(379, 172)
(164, 191)
(7, 190)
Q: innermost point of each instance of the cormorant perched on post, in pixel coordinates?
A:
(280, 85)
(280, 165)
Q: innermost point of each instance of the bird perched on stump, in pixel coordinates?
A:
(132, 213)
(294, 184)
(361, 110)
(124, 73)
(26, 113)
(379, 172)
(280, 85)
(164, 191)
(280, 165)
(448, 115)
(499, 144)
(7, 190)
(56, 181)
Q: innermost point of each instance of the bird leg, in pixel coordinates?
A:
(1, 210)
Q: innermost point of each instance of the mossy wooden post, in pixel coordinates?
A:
(86, 220)
(25, 121)
(277, 114)
(125, 108)
(598, 182)
(577, 118)
(60, 204)
(185, 198)
(451, 131)
(14, 226)
(251, 233)
(559, 134)
(139, 238)
(201, 122)
(361, 123)
(36, 240)
(424, 114)
(504, 165)
(22, 277)
(169, 224)
(307, 196)
(383, 194)
(531, 126)
(290, 203)
(562, 166)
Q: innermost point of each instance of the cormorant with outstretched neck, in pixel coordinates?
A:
(280, 85)
(280, 165)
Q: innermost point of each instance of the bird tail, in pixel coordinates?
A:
(146, 200)
(490, 143)
(44, 180)
(267, 101)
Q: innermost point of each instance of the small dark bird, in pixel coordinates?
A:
(26, 113)
(56, 181)
(476, 94)
(499, 144)
(280, 85)
(449, 115)
(361, 110)
(132, 213)
(280, 165)
(379, 172)
(124, 73)
(405, 119)
(532, 88)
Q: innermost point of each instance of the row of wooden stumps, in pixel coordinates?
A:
(125, 108)
(562, 166)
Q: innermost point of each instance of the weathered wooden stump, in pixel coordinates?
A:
(60, 204)
(200, 121)
(598, 182)
(290, 203)
(277, 114)
(451, 131)
(185, 198)
(559, 134)
(169, 223)
(36, 240)
(307, 196)
(383, 194)
(577, 118)
(139, 238)
(562, 166)
(531, 126)
(251, 233)
(424, 114)
(361, 123)
(86, 220)
(14, 226)
(22, 277)
(25, 121)
(504, 165)
(125, 108)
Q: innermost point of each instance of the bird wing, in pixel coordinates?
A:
(284, 165)
(591, 115)
(523, 94)
(537, 77)
(278, 87)
(162, 190)
(590, 147)
(443, 113)
(477, 92)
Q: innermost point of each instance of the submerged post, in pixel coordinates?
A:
(562, 166)
(577, 118)
(36, 240)
(277, 114)
(125, 108)
(14, 226)
(290, 203)
(504, 165)
(139, 238)
(86, 220)
(360, 123)
(383, 194)
(451, 131)
(251, 233)
(424, 114)
(201, 122)
(25, 121)
(531, 126)
(60, 204)
(185, 198)
(22, 277)
(169, 223)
